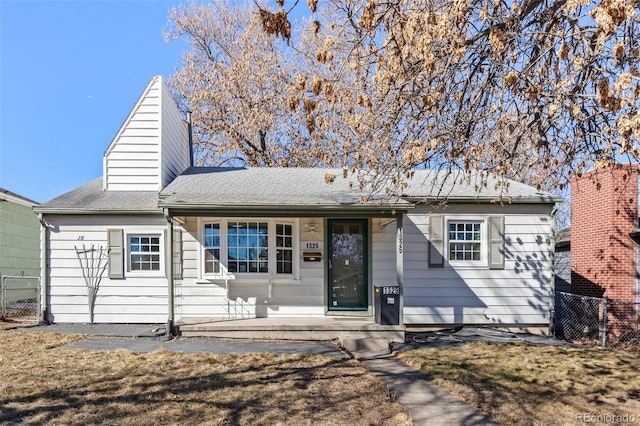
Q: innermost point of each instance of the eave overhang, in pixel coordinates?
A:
(180, 209)
(81, 211)
(484, 200)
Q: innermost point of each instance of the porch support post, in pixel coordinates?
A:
(169, 268)
(400, 264)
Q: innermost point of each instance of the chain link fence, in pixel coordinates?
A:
(20, 298)
(623, 325)
(578, 318)
(587, 319)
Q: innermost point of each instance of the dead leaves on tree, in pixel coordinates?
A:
(276, 23)
(529, 90)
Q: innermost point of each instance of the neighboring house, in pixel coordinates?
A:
(562, 261)
(194, 242)
(599, 255)
(19, 236)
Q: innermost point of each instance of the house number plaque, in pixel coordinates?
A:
(312, 251)
(312, 245)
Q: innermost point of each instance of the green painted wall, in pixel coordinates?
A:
(19, 240)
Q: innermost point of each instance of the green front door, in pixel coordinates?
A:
(348, 281)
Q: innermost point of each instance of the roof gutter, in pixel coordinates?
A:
(485, 200)
(276, 211)
(191, 209)
(6, 195)
(62, 211)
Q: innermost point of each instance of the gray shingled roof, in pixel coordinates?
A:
(455, 185)
(91, 197)
(262, 186)
(200, 186)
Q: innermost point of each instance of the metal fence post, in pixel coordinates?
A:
(2, 298)
(605, 300)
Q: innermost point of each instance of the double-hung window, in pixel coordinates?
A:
(248, 247)
(459, 241)
(144, 253)
(465, 241)
(284, 248)
(212, 248)
(138, 254)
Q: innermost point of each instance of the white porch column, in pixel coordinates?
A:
(400, 264)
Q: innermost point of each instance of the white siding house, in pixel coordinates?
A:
(141, 298)
(474, 292)
(149, 150)
(177, 242)
(151, 147)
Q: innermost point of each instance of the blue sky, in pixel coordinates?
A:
(70, 72)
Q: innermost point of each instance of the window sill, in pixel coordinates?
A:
(212, 279)
(285, 280)
(247, 280)
(467, 265)
(144, 274)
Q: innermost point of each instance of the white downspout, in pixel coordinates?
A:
(44, 261)
(170, 281)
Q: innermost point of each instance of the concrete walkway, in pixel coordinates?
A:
(426, 403)
(142, 338)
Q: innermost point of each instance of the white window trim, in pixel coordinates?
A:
(224, 274)
(144, 233)
(484, 236)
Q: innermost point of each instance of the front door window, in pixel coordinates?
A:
(348, 265)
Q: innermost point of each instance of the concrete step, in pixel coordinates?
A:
(258, 334)
(283, 334)
(366, 344)
(291, 329)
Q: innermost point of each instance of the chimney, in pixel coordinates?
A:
(604, 212)
(190, 134)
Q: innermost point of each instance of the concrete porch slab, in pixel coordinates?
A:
(294, 328)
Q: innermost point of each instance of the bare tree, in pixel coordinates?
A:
(532, 90)
(237, 80)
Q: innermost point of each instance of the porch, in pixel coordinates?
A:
(352, 332)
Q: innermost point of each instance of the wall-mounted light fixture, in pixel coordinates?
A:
(311, 227)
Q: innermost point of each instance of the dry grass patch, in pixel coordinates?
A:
(41, 383)
(526, 384)
(8, 324)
